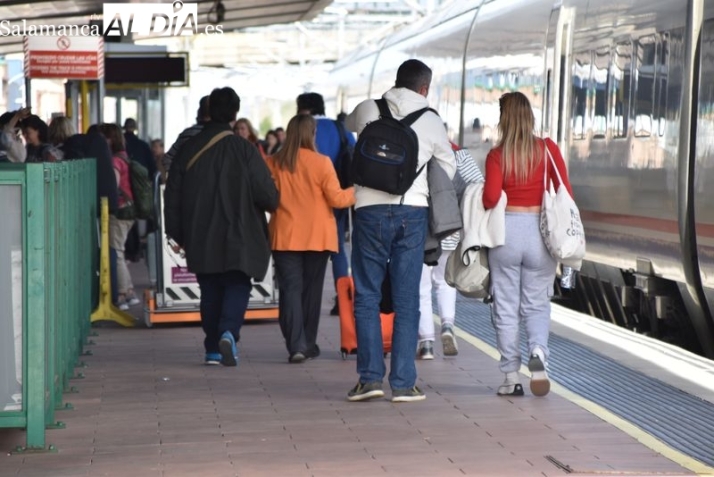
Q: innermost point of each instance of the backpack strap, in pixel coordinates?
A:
(410, 118)
(210, 144)
(383, 108)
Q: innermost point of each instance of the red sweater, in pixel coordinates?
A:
(528, 193)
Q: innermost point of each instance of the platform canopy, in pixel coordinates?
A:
(238, 14)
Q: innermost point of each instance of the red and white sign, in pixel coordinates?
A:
(67, 57)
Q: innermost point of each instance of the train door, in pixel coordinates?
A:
(557, 65)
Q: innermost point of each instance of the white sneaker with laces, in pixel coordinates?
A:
(511, 386)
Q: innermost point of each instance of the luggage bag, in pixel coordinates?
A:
(348, 332)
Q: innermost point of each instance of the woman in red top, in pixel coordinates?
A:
(522, 270)
(121, 223)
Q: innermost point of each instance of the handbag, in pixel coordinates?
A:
(468, 272)
(560, 224)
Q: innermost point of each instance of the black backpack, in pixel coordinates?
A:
(386, 156)
(343, 162)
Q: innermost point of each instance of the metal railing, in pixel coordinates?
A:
(48, 258)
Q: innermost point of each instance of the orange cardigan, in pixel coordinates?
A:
(304, 220)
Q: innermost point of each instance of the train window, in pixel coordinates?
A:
(645, 86)
(660, 113)
(580, 121)
(600, 80)
(620, 76)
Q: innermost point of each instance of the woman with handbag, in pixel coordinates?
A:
(522, 270)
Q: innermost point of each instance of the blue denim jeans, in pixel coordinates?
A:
(224, 301)
(388, 236)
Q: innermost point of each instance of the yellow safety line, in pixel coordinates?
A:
(625, 426)
(106, 309)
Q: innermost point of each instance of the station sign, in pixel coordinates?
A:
(64, 57)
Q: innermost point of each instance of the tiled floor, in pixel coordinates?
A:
(148, 407)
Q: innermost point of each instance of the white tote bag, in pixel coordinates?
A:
(560, 224)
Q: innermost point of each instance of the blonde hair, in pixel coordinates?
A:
(299, 134)
(60, 129)
(520, 155)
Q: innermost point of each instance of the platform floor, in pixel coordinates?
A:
(149, 407)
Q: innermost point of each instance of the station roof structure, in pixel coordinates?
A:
(239, 14)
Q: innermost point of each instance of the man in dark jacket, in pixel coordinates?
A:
(214, 208)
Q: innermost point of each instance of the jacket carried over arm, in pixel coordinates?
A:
(433, 142)
(304, 220)
(216, 209)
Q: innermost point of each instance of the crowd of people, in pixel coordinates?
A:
(221, 180)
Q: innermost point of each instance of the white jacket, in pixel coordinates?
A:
(482, 228)
(433, 141)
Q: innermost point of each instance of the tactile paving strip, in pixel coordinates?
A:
(682, 421)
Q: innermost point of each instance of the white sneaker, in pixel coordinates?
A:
(511, 386)
(540, 384)
(448, 340)
(426, 350)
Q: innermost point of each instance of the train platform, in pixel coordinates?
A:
(147, 406)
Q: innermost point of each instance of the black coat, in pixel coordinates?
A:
(93, 145)
(216, 210)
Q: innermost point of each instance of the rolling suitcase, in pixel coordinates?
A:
(348, 332)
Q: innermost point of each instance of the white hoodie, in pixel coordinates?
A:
(433, 142)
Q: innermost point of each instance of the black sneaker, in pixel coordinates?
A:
(335, 311)
(408, 395)
(312, 353)
(365, 391)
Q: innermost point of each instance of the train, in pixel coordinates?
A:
(626, 89)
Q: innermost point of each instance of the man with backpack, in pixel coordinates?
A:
(398, 136)
(333, 140)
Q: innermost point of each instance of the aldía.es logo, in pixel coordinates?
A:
(155, 19)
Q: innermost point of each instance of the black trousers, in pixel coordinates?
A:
(301, 277)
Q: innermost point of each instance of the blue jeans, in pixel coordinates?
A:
(339, 258)
(224, 300)
(388, 236)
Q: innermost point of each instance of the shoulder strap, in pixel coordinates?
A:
(409, 119)
(383, 108)
(342, 134)
(213, 140)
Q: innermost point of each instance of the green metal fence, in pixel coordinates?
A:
(48, 243)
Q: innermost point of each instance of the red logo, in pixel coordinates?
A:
(63, 43)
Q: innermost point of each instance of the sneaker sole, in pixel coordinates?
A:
(516, 391)
(212, 363)
(448, 342)
(225, 347)
(408, 398)
(426, 358)
(540, 384)
(375, 393)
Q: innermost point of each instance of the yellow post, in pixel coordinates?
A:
(106, 309)
(84, 95)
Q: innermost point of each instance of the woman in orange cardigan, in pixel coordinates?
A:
(303, 233)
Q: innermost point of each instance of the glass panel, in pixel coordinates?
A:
(600, 78)
(644, 96)
(581, 80)
(621, 77)
(110, 109)
(661, 86)
(11, 282)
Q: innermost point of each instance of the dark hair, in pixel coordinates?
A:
(33, 121)
(311, 102)
(5, 118)
(130, 124)
(223, 105)
(115, 136)
(203, 111)
(413, 74)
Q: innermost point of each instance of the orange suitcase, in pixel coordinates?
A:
(348, 333)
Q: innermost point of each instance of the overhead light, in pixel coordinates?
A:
(217, 13)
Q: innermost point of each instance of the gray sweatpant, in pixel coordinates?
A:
(522, 275)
